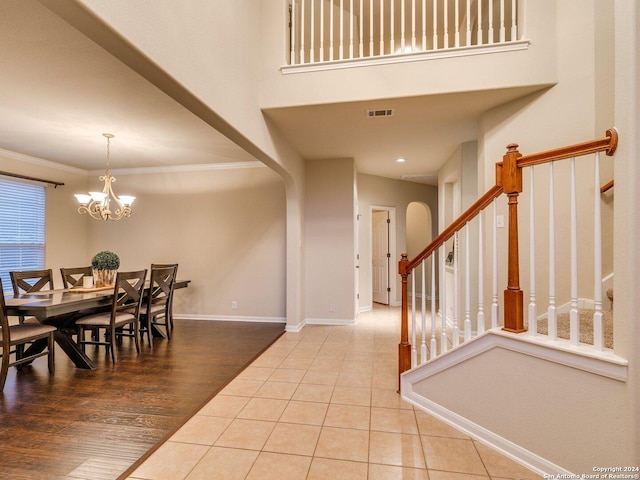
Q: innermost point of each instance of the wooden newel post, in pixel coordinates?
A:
(404, 347)
(513, 296)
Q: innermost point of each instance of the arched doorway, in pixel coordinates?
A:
(419, 234)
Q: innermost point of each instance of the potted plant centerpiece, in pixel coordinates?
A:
(105, 264)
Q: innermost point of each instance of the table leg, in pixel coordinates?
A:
(73, 351)
(71, 348)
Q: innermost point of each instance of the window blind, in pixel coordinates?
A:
(22, 228)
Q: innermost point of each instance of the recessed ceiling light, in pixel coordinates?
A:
(401, 160)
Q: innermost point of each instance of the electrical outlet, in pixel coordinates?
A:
(234, 304)
(500, 221)
(332, 307)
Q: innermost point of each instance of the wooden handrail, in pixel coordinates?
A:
(609, 144)
(606, 187)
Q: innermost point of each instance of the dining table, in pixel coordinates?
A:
(61, 308)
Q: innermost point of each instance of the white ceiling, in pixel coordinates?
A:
(59, 92)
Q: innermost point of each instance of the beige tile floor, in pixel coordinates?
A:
(322, 404)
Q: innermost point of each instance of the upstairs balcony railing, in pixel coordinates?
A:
(324, 31)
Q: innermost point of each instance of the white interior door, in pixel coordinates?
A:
(380, 256)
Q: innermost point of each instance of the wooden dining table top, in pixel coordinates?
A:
(50, 303)
(57, 307)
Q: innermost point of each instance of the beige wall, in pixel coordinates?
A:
(330, 241)
(376, 191)
(566, 113)
(228, 239)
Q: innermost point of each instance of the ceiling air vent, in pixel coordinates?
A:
(380, 113)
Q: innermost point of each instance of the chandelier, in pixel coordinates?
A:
(98, 204)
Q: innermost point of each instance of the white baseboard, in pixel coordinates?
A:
(509, 449)
(230, 318)
(330, 321)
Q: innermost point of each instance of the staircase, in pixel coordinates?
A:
(504, 374)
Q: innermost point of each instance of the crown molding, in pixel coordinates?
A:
(21, 157)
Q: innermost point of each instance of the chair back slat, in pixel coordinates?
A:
(26, 334)
(31, 281)
(161, 284)
(72, 277)
(128, 291)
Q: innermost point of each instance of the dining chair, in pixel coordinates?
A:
(29, 282)
(157, 302)
(72, 277)
(125, 310)
(16, 336)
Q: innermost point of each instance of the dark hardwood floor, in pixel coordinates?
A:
(81, 424)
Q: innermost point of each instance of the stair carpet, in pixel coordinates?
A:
(586, 326)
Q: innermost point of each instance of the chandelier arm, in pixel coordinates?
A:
(97, 205)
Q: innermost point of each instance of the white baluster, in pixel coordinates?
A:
(371, 51)
(293, 33)
(361, 23)
(423, 345)
(424, 25)
(413, 320)
(312, 47)
(598, 332)
(381, 27)
(302, 56)
(457, 23)
(574, 317)
(480, 272)
(490, 37)
(322, 30)
(331, 31)
(433, 346)
(467, 286)
(446, 25)
(468, 38)
(392, 28)
(514, 25)
(502, 28)
(443, 304)
(480, 25)
(435, 25)
(456, 330)
(413, 25)
(350, 28)
(494, 290)
(552, 321)
(341, 55)
(402, 29)
(533, 316)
